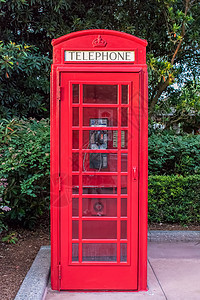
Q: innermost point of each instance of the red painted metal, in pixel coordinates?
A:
(108, 250)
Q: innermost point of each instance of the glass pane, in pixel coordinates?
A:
(75, 161)
(100, 229)
(97, 190)
(99, 184)
(75, 184)
(123, 229)
(75, 229)
(75, 139)
(124, 116)
(124, 162)
(75, 208)
(93, 93)
(104, 139)
(123, 252)
(123, 207)
(75, 90)
(74, 252)
(123, 184)
(99, 207)
(102, 113)
(75, 116)
(124, 94)
(100, 162)
(99, 252)
(124, 139)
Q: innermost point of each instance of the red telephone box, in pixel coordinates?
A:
(99, 162)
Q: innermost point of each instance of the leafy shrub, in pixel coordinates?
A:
(25, 161)
(174, 154)
(3, 203)
(174, 199)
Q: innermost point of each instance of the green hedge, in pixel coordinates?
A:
(171, 154)
(174, 199)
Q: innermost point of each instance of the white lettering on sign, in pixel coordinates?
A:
(99, 56)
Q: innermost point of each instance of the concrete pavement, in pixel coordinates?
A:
(177, 268)
(173, 274)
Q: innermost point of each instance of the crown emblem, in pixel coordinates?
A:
(99, 42)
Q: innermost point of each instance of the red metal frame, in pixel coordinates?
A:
(62, 77)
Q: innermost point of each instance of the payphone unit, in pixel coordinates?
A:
(98, 140)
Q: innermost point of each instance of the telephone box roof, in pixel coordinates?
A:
(99, 32)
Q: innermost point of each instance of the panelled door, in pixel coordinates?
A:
(99, 181)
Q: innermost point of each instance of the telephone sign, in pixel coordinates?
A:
(99, 136)
(99, 56)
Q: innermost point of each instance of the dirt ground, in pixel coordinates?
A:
(16, 259)
(163, 226)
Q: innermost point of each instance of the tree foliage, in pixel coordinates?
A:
(24, 81)
(171, 28)
(182, 107)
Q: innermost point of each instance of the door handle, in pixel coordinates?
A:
(134, 173)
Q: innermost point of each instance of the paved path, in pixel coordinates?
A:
(173, 274)
(177, 269)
